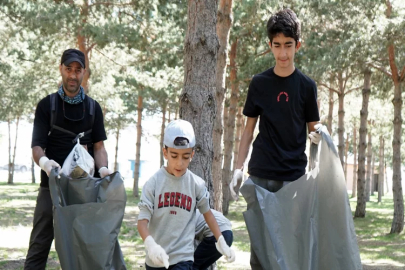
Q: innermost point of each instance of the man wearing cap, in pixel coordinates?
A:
(59, 119)
(169, 200)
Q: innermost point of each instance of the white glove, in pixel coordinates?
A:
(104, 171)
(47, 164)
(156, 253)
(237, 176)
(315, 136)
(224, 249)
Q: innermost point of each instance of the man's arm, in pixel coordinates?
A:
(246, 140)
(100, 155)
(37, 153)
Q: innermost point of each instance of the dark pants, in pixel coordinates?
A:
(42, 232)
(178, 266)
(272, 186)
(206, 253)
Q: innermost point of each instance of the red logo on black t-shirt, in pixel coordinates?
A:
(282, 93)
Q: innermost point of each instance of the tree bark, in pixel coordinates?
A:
(81, 41)
(398, 220)
(135, 190)
(117, 137)
(11, 172)
(361, 173)
(197, 100)
(238, 136)
(229, 136)
(162, 132)
(381, 170)
(368, 171)
(330, 114)
(10, 164)
(224, 22)
(355, 146)
(346, 152)
(32, 171)
(372, 176)
(341, 119)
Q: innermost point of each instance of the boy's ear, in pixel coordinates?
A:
(165, 153)
(192, 155)
(298, 46)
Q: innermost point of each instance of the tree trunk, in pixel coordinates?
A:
(238, 136)
(32, 171)
(162, 132)
(368, 171)
(361, 173)
(341, 120)
(398, 220)
(346, 151)
(135, 190)
(197, 100)
(355, 146)
(10, 164)
(386, 176)
(11, 173)
(230, 130)
(381, 170)
(330, 114)
(372, 176)
(224, 22)
(117, 137)
(83, 46)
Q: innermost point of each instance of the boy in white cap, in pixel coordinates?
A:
(169, 200)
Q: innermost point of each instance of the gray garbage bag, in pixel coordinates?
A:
(307, 224)
(87, 214)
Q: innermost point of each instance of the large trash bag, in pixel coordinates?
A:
(308, 224)
(87, 214)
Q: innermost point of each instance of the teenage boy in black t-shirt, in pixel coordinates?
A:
(285, 100)
(59, 118)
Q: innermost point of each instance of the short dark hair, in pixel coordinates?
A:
(180, 141)
(286, 22)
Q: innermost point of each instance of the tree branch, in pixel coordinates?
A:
(353, 89)
(110, 4)
(109, 58)
(330, 88)
(380, 69)
(263, 53)
(393, 66)
(402, 78)
(91, 47)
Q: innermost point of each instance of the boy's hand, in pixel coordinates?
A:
(237, 178)
(224, 249)
(156, 253)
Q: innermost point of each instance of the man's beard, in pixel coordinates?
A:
(71, 89)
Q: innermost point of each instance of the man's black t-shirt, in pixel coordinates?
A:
(285, 105)
(58, 144)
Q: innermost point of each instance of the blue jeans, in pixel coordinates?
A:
(206, 253)
(178, 266)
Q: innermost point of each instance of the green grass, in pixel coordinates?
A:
(378, 248)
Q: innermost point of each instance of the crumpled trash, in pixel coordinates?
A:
(79, 163)
(307, 224)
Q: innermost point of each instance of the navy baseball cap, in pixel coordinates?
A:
(73, 55)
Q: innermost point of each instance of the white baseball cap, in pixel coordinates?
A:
(179, 128)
